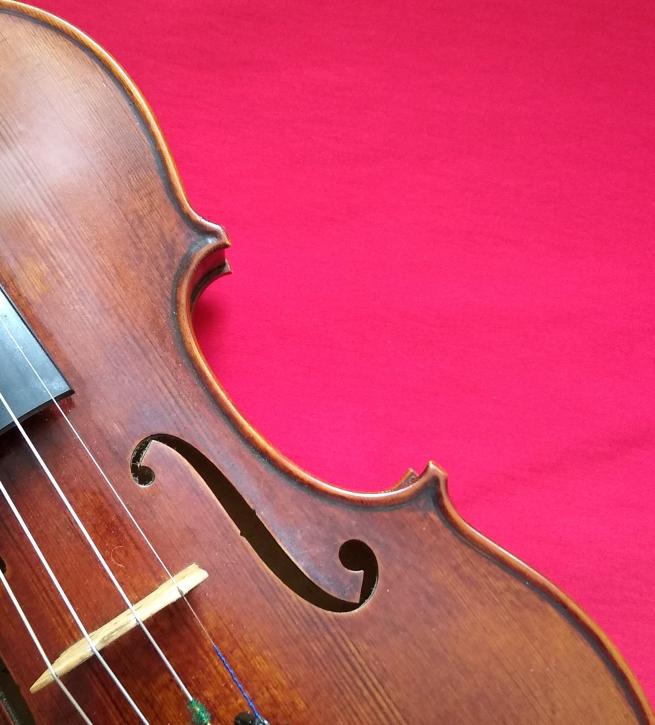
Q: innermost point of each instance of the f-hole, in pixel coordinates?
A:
(11, 701)
(355, 555)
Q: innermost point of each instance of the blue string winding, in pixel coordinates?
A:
(240, 687)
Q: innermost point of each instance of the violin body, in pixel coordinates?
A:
(333, 607)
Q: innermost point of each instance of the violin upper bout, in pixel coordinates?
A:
(92, 140)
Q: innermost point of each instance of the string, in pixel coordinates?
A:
(39, 647)
(103, 562)
(223, 659)
(67, 602)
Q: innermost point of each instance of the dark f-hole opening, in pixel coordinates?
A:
(11, 701)
(358, 556)
(354, 555)
(144, 476)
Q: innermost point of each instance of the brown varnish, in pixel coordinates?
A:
(103, 255)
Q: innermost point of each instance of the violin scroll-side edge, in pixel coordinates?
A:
(212, 233)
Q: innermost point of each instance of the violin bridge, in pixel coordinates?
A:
(168, 593)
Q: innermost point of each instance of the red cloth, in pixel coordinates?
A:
(442, 218)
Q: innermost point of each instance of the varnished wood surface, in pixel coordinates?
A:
(101, 253)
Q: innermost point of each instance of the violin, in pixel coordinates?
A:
(160, 561)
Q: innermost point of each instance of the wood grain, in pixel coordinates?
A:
(103, 255)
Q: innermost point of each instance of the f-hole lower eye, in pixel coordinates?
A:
(358, 556)
(3, 566)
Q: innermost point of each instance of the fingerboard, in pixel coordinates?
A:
(19, 384)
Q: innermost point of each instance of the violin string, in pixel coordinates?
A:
(89, 539)
(64, 597)
(30, 630)
(221, 656)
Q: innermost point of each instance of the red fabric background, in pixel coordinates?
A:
(442, 217)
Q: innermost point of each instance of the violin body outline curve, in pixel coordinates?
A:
(417, 504)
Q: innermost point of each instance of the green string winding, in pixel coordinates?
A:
(200, 715)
